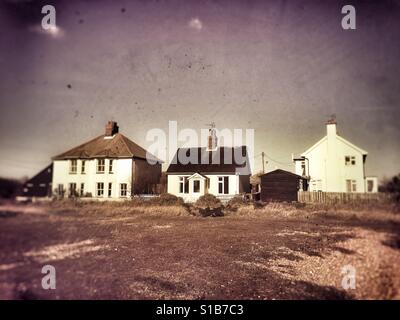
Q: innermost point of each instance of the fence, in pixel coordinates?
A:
(341, 197)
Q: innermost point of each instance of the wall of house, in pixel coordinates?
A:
(316, 167)
(146, 176)
(173, 186)
(122, 173)
(233, 184)
(327, 168)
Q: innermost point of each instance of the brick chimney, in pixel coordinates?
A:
(111, 128)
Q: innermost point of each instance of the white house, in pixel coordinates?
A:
(108, 167)
(215, 170)
(334, 164)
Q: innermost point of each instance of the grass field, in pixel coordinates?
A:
(125, 251)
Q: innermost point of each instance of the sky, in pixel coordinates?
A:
(278, 67)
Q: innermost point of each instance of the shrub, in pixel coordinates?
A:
(167, 199)
(208, 201)
(237, 202)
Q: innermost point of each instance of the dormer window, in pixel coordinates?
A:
(73, 165)
(100, 165)
(350, 160)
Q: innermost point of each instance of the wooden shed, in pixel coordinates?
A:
(281, 185)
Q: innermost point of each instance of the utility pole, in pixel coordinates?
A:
(263, 162)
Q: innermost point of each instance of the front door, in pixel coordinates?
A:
(196, 186)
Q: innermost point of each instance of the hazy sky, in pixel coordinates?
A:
(279, 67)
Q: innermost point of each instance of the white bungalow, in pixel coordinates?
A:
(221, 171)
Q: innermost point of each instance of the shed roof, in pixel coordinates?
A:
(284, 172)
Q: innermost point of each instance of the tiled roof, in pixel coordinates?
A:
(117, 146)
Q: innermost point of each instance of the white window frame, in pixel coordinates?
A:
(111, 166)
(98, 189)
(60, 189)
(83, 167)
(109, 190)
(221, 181)
(353, 185)
(350, 160)
(73, 166)
(100, 164)
(183, 181)
(123, 190)
(72, 189)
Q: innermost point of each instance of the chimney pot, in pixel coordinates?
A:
(212, 139)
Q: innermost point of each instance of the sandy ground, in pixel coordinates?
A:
(125, 256)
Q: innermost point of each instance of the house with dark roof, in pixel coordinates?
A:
(39, 186)
(110, 166)
(221, 171)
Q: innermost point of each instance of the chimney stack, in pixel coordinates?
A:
(331, 127)
(111, 128)
(212, 138)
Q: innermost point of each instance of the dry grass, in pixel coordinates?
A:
(173, 206)
(142, 250)
(115, 209)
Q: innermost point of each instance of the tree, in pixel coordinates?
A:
(392, 186)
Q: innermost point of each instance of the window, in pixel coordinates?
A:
(60, 190)
(223, 185)
(109, 189)
(303, 168)
(72, 189)
(196, 186)
(83, 167)
(82, 191)
(73, 164)
(123, 190)
(99, 189)
(350, 160)
(110, 166)
(370, 185)
(100, 165)
(183, 185)
(351, 185)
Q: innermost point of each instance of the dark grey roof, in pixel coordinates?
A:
(284, 172)
(199, 159)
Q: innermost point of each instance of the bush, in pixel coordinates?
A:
(208, 201)
(167, 199)
(237, 202)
